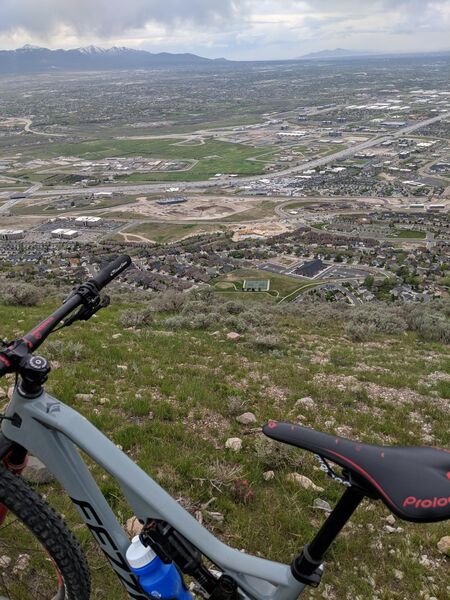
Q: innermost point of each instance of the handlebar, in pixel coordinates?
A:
(111, 271)
(86, 295)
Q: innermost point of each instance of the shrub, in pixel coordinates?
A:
(236, 405)
(256, 318)
(135, 318)
(380, 317)
(274, 455)
(57, 349)
(430, 325)
(237, 324)
(267, 341)
(176, 322)
(234, 308)
(195, 307)
(203, 321)
(359, 331)
(20, 294)
(170, 301)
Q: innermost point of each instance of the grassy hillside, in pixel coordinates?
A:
(169, 392)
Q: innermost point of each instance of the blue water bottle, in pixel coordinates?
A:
(158, 579)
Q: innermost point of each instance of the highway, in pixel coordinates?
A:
(5, 208)
(148, 188)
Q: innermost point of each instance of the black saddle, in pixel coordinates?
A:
(413, 482)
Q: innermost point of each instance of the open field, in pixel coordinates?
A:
(411, 234)
(259, 210)
(202, 208)
(164, 233)
(173, 404)
(214, 156)
(280, 285)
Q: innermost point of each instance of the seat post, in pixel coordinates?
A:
(306, 567)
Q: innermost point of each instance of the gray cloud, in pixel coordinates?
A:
(112, 17)
(238, 28)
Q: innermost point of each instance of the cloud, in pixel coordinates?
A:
(112, 17)
(233, 28)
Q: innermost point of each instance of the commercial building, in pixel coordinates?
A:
(65, 234)
(88, 221)
(12, 234)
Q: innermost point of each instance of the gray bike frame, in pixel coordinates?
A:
(54, 432)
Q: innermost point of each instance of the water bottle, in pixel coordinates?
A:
(158, 579)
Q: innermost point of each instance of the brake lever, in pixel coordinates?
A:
(86, 312)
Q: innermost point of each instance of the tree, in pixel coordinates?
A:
(369, 281)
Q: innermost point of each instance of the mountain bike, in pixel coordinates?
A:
(413, 482)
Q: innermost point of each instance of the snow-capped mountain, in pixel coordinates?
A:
(32, 59)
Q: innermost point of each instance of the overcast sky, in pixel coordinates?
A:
(236, 29)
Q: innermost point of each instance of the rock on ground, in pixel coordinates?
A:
(36, 471)
(303, 482)
(84, 397)
(246, 418)
(443, 545)
(233, 336)
(306, 402)
(234, 444)
(322, 505)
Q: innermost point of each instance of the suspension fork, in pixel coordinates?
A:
(14, 458)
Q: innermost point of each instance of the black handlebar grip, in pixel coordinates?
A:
(114, 269)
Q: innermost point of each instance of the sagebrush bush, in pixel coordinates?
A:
(135, 318)
(237, 323)
(57, 349)
(431, 325)
(170, 301)
(176, 322)
(234, 308)
(19, 294)
(380, 317)
(268, 341)
(273, 455)
(359, 331)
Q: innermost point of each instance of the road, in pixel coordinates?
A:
(6, 207)
(189, 185)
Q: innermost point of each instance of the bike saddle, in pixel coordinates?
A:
(413, 482)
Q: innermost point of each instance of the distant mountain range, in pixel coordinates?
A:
(32, 59)
(337, 53)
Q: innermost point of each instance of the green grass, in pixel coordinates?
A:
(171, 412)
(411, 234)
(282, 284)
(213, 156)
(164, 233)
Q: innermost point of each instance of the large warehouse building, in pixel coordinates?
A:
(88, 221)
(65, 234)
(12, 234)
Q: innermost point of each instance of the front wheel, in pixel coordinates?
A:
(40, 559)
